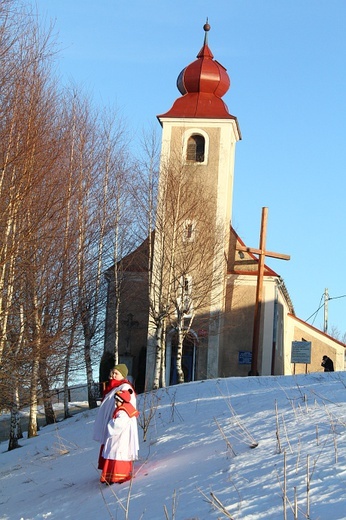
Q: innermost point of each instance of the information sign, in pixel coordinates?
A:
(301, 352)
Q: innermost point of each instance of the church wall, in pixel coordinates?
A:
(321, 344)
(279, 331)
(206, 173)
(217, 173)
(268, 309)
(272, 344)
(238, 326)
(239, 322)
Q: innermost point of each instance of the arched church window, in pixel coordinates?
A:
(195, 148)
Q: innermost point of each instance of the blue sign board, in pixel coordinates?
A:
(244, 357)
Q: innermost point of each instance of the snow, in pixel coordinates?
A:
(201, 449)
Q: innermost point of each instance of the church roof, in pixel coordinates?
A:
(315, 329)
(202, 84)
(137, 260)
(243, 262)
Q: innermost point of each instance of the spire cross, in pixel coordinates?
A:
(262, 253)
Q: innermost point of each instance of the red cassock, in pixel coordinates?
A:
(116, 430)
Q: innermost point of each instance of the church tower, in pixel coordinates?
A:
(195, 207)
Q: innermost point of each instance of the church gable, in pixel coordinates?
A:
(243, 262)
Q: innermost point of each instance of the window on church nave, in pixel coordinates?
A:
(189, 231)
(195, 148)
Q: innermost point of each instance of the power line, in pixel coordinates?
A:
(336, 297)
(320, 306)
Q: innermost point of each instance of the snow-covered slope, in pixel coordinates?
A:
(200, 454)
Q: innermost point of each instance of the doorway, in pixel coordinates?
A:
(188, 359)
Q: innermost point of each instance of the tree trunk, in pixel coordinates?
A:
(89, 373)
(163, 358)
(116, 319)
(15, 426)
(15, 430)
(158, 358)
(47, 398)
(33, 426)
(66, 373)
(66, 407)
(180, 372)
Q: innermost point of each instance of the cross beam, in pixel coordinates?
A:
(262, 253)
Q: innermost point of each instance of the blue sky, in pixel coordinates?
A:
(286, 61)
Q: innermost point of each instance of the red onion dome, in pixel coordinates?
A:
(202, 85)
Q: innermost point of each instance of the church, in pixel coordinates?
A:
(193, 292)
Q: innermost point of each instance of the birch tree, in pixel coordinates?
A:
(188, 268)
(101, 168)
(33, 192)
(28, 147)
(120, 172)
(145, 197)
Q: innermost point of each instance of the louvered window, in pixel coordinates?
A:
(189, 231)
(195, 148)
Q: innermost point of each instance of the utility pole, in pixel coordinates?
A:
(326, 299)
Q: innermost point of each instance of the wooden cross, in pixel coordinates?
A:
(262, 253)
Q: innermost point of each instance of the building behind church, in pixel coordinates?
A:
(197, 264)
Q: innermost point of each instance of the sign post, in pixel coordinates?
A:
(301, 353)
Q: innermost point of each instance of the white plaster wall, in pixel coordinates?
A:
(290, 325)
(269, 285)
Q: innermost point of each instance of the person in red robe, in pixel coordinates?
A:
(121, 445)
(104, 428)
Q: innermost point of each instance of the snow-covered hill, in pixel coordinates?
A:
(200, 460)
